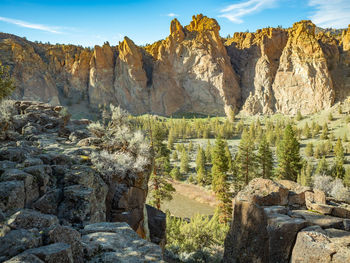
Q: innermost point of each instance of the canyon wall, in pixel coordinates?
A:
(193, 70)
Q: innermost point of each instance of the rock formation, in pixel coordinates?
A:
(55, 206)
(285, 222)
(192, 70)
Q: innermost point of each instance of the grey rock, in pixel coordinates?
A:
(70, 236)
(54, 253)
(12, 196)
(17, 241)
(117, 242)
(30, 184)
(28, 219)
(323, 221)
(12, 154)
(156, 225)
(32, 162)
(48, 203)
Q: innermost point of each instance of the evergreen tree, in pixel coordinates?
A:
(190, 147)
(175, 173)
(6, 82)
(160, 190)
(175, 156)
(306, 174)
(346, 179)
(171, 139)
(324, 135)
(338, 169)
(219, 182)
(229, 157)
(322, 167)
(309, 149)
(184, 163)
(208, 152)
(231, 115)
(200, 168)
(265, 159)
(289, 160)
(246, 158)
(306, 131)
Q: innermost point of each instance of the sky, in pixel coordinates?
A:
(90, 23)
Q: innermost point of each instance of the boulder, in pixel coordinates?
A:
(264, 192)
(54, 253)
(313, 244)
(12, 154)
(117, 242)
(12, 196)
(324, 221)
(30, 184)
(340, 211)
(70, 236)
(48, 203)
(27, 219)
(297, 192)
(17, 241)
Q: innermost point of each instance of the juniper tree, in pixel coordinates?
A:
(265, 159)
(289, 160)
(200, 167)
(184, 163)
(322, 167)
(219, 180)
(246, 158)
(338, 169)
(309, 149)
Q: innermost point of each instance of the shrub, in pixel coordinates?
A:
(7, 110)
(123, 153)
(334, 188)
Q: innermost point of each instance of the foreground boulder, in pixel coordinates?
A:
(271, 223)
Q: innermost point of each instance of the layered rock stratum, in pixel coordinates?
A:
(193, 70)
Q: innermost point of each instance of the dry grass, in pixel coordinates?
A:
(196, 193)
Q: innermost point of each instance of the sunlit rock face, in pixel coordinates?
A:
(193, 70)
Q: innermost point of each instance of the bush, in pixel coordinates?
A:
(334, 188)
(123, 153)
(199, 240)
(7, 110)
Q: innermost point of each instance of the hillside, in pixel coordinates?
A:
(193, 70)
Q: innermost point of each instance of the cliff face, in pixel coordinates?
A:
(192, 70)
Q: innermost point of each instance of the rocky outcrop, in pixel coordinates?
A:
(192, 70)
(54, 205)
(271, 223)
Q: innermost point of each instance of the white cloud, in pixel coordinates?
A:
(236, 12)
(172, 15)
(331, 13)
(21, 23)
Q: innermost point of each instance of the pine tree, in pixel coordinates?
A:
(324, 135)
(231, 115)
(265, 159)
(6, 82)
(322, 167)
(171, 139)
(289, 160)
(184, 163)
(200, 168)
(175, 156)
(306, 174)
(175, 173)
(346, 179)
(246, 158)
(229, 157)
(338, 169)
(208, 152)
(190, 147)
(160, 189)
(219, 182)
(306, 131)
(309, 149)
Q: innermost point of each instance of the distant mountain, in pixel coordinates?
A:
(193, 70)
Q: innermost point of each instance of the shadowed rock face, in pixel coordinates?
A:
(192, 70)
(285, 222)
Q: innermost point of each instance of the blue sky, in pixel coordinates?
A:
(89, 23)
